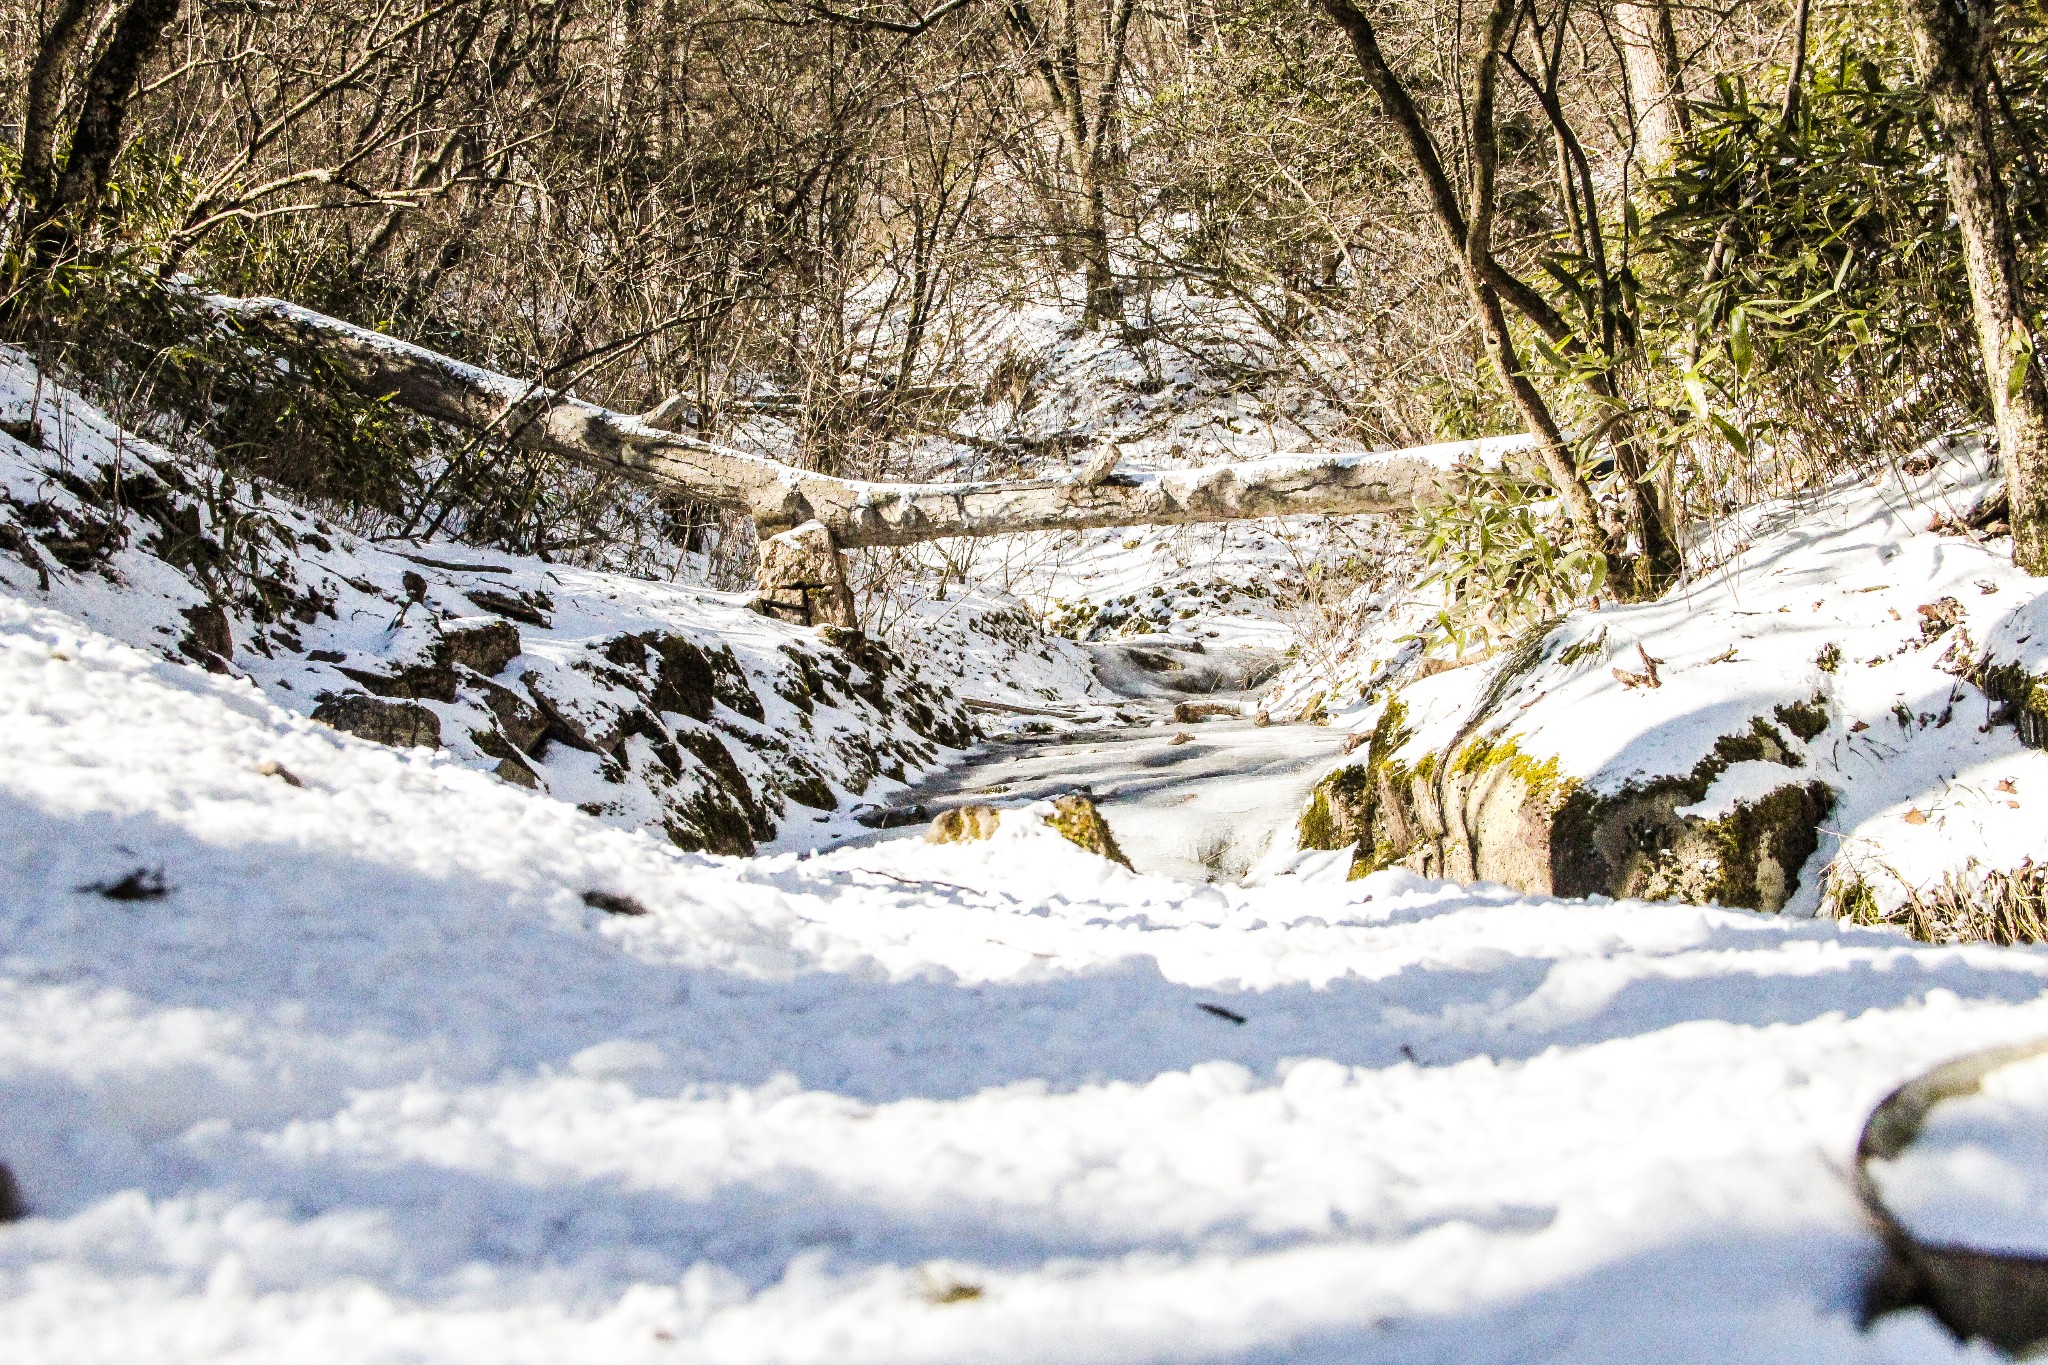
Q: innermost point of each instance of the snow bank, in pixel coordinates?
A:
(372, 1081)
(1009, 671)
(650, 705)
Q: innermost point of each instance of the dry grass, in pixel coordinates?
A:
(1970, 906)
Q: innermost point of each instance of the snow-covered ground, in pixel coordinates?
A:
(317, 1050)
(370, 1080)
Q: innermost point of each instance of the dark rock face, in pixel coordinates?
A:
(417, 682)
(483, 647)
(685, 679)
(515, 770)
(528, 608)
(519, 722)
(401, 724)
(13, 1207)
(208, 641)
(486, 646)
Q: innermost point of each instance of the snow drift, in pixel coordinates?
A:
(1835, 714)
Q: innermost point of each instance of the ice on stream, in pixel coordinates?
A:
(1201, 802)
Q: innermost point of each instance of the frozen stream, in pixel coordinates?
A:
(1204, 809)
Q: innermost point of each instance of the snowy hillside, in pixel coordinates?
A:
(1831, 714)
(352, 1071)
(650, 705)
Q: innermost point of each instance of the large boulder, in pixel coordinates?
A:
(1459, 781)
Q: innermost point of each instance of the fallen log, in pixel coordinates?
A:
(856, 512)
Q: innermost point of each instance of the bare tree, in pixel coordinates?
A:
(1467, 220)
(1081, 56)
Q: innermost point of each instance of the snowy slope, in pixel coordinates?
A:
(651, 705)
(1858, 625)
(1007, 668)
(372, 1082)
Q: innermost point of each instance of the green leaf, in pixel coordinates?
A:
(2016, 372)
(1696, 392)
(1731, 433)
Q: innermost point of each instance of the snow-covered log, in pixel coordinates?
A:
(857, 512)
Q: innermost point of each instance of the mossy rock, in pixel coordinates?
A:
(1634, 843)
(1074, 817)
(964, 825)
(1487, 809)
(1338, 811)
(1080, 823)
(2023, 699)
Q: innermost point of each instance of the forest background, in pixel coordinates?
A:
(1702, 253)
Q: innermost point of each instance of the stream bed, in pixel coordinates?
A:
(1202, 802)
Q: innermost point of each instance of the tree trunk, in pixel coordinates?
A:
(1656, 86)
(96, 139)
(1086, 123)
(1487, 283)
(854, 512)
(46, 80)
(1105, 300)
(1954, 49)
(1493, 320)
